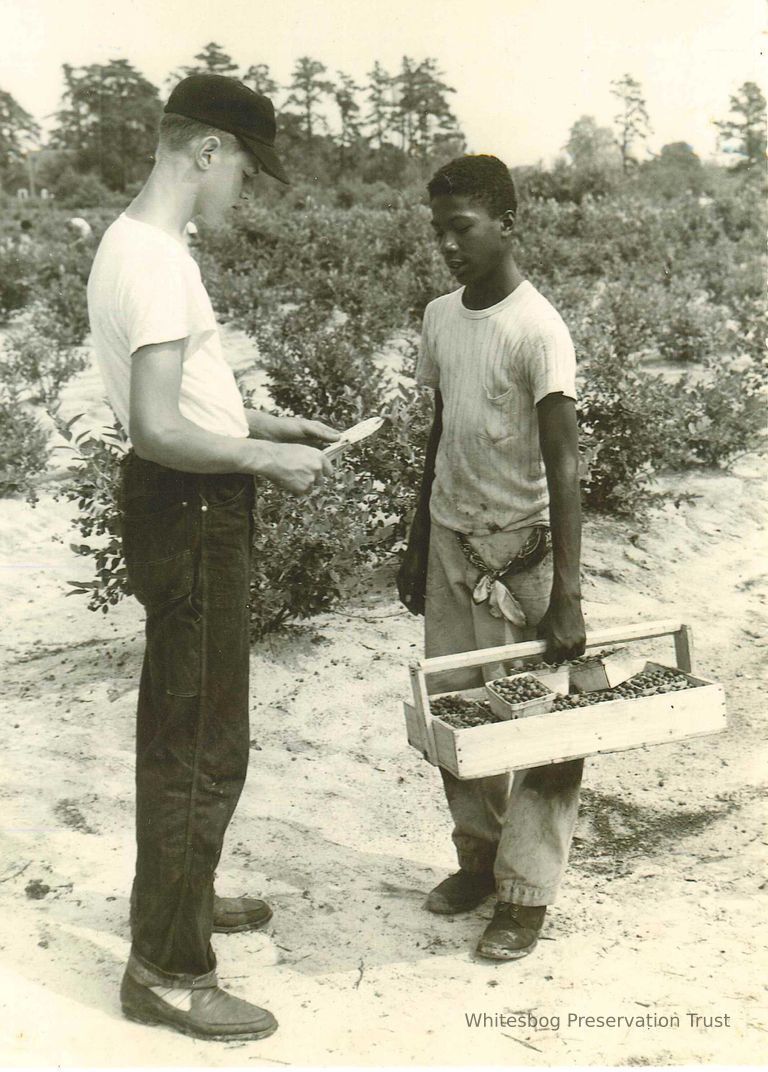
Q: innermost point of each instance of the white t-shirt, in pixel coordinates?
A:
(145, 288)
(492, 366)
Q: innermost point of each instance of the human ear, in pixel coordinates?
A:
(507, 222)
(206, 149)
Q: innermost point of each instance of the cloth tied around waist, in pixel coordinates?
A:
(492, 586)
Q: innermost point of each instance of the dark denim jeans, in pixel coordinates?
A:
(186, 539)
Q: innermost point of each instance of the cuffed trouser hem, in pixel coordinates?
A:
(146, 974)
(530, 896)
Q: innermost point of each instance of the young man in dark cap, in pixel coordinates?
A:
(501, 486)
(186, 496)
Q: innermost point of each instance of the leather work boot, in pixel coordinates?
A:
(206, 1013)
(233, 914)
(460, 892)
(513, 931)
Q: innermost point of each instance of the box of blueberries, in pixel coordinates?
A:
(522, 720)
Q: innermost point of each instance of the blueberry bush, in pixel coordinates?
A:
(664, 298)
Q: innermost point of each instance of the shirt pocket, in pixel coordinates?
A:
(500, 418)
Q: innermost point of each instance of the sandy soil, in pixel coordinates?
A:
(342, 826)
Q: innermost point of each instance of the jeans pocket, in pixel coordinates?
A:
(158, 555)
(174, 647)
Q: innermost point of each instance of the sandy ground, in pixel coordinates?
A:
(343, 827)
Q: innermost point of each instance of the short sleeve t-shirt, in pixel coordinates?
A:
(492, 367)
(145, 288)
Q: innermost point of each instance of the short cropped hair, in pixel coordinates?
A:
(177, 132)
(480, 177)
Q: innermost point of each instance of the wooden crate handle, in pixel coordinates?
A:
(611, 635)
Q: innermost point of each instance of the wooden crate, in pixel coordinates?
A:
(561, 735)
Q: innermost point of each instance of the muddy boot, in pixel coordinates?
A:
(460, 892)
(233, 914)
(513, 931)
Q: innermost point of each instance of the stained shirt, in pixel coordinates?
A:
(492, 366)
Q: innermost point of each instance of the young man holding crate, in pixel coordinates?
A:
(500, 492)
(185, 498)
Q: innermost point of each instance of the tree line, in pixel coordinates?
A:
(394, 128)
(106, 124)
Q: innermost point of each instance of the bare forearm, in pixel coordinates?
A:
(565, 523)
(421, 517)
(563, 624)
(183, 445)
(559, 440)
(161, 434)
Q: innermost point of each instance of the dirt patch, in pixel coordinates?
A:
(621, 831)
(344, 829)
(68, 813)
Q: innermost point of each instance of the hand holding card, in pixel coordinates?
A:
(353, 435)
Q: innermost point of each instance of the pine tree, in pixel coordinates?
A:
(212, 59)
(632, 123)
(349, 113)
(108, 118)
(18, 133)
(259, 78)
(744, 135)
(380, 117)
(423, 115)
(307, 89)
(434, 118)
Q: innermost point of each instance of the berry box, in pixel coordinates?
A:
(605, 670)
(638, 717)
(556, 678)
(518, 696)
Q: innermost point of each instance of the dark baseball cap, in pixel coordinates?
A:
(226, 104)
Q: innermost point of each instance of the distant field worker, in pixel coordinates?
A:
(186, 498)
(494, 548)
(80, 227)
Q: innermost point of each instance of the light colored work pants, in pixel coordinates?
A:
(519, 826)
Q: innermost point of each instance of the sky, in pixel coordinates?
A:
(524, 70)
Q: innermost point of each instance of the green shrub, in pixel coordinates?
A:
(15, 281)
(726, 412)
(50, 270)
(319, 369)
(378, 267)
(92, 485)
(80, 190)
(324, 289)
(626, 424)
(36, 360)
(305, 549)
(61, 274)
(23, 447)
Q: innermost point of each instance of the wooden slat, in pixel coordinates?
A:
(414, 728)
(614, 634)
(445, 746)
(684, 648)
(611, 727)
(423, 711)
